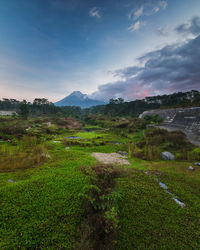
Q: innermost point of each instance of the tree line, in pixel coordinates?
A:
(115, 107)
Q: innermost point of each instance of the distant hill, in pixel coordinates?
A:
(76, 98)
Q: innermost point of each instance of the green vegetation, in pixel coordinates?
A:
(55, 195)
(155, 141)
(115, 107)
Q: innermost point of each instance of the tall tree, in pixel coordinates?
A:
(24, 109)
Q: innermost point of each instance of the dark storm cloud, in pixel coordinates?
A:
(127, 72)
(170, 69)
(192, 27)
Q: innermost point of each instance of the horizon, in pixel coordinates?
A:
(105, 102)
(106, 50)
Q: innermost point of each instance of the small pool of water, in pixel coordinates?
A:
(73, 137)
(162, 185)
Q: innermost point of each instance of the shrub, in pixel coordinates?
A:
(157, 140)
(135, 151)
(194, 154)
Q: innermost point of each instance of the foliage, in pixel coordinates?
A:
(53, 203)
(157, 140)
(117, 107)
(153, 119)
(101, 207)
(150, 219)
(24, 109)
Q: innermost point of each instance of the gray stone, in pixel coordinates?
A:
(191, 168)
(46, 156)
(167, 156)
(197, 163)
(67, 147)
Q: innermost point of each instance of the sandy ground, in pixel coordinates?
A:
(111, 158)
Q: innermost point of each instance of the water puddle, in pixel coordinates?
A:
(115, 142)
(91, 129)
(73, 137)
(9, 180)
(162, 185)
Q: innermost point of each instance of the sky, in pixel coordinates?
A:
(103, 48)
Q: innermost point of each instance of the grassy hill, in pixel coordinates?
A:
(55, 195)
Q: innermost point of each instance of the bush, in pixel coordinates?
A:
(194, 154)
(157, 140)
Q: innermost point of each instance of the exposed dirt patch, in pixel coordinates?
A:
(111, 158)
(72, 123)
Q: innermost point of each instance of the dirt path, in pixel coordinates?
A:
(111, 158)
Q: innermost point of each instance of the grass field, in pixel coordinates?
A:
(49, 202)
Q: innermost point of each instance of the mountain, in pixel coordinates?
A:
(76, 98)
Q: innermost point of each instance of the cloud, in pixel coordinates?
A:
(163, 31)
(94, 12)
(136, 26)
(138, 13)
(162, 4)
(127, 72)
(191, 27)
(147, 9)
(170, 69)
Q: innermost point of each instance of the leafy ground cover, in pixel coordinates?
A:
(64, 200)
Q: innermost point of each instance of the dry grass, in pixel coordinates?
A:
(26, 154)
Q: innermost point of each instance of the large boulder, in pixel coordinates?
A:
(191, 168)
(167, 156)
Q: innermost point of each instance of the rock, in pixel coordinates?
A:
(191, 168)
(197, 163)
(56, 141)
(167, 156)
(9, 180)
(46, 156)
(67, 147)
